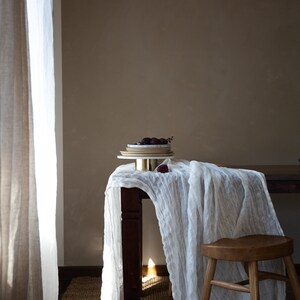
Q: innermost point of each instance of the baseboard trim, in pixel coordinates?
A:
(297, 266)
(161, 270)
(70, 272)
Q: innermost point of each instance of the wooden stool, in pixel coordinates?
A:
(249, 250)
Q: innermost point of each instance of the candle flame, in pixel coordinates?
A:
(151, 270)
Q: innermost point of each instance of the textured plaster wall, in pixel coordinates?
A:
(222, 77)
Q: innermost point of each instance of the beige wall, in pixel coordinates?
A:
(222, 77)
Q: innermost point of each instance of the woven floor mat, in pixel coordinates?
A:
(88, 288)
(82, 288)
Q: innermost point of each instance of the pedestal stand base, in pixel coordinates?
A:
(145, 164)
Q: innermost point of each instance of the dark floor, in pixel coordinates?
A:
(63, 284)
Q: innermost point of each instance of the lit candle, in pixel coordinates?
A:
(151, 270)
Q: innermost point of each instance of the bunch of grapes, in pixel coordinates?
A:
(155, 141)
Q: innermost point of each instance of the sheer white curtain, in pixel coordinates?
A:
(27, 151)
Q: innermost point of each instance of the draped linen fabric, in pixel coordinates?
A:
(28, 255)
(195, 203)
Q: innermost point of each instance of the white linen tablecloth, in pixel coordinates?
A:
(195, 203)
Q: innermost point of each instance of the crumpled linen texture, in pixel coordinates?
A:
(195, 203)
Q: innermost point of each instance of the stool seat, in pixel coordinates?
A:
(249, 250)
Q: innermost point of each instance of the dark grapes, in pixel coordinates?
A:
(162, 168)
(163, 141)
(155, 141)
(145, 141)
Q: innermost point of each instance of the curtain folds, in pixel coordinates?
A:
(28, 256)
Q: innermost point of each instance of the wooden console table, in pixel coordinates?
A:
(280, 179)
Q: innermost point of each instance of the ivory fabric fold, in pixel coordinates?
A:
(195, 203)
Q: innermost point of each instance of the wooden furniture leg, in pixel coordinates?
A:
(209, 275)
(131, 207)
(253, 280)
(291, 271)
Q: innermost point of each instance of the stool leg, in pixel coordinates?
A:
(209, 274)
(288, 261)
(253, 280)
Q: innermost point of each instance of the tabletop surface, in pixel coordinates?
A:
(276, 172)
